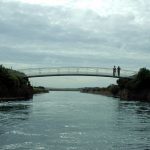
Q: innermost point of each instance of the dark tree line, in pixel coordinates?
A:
(14, 84)
(139, 82)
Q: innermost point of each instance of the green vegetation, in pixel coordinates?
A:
(141, 81)
(14, 84)
(40, 89)
(135, 88)
(98, 90)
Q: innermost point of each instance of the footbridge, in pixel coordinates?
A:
(76, 71)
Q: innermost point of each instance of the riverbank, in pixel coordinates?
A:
(40, 90)
(123, 94)
(64, 89)
(136, 88)
(35, 90)
(14, 85)
(96, 90)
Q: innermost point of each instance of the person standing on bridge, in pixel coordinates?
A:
(114, 71)
(118, 70)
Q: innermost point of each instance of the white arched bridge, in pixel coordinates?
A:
(76, 71)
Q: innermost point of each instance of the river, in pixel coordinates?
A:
(74, 121)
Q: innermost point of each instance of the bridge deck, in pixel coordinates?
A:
(76, 71)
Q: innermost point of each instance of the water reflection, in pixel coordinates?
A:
(71, 120)
(13, 113)
(13, 107)
(140, 109)
(133, 119)
(143, 108)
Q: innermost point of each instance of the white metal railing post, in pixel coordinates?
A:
(58, 70)
(40, 71)
(97, 71)
(68, 70)
(77, 70)
(87, 70)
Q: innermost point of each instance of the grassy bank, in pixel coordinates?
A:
(135, 88)
(39, 90)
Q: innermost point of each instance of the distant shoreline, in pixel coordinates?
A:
(64, 89)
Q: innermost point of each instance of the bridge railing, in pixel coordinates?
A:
(75, 70)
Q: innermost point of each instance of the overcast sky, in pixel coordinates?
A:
(39, 33)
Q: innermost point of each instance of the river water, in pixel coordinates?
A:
(74, 121)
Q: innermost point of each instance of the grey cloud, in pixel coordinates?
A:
(60, 35)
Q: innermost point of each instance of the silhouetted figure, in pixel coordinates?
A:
(114, 71)
(118, 70)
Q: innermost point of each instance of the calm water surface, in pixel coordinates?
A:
(74, 121)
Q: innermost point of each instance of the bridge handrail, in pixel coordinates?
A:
(82, 71)
(64, 68)
(75, 68)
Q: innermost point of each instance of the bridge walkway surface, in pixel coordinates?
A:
(76, 71)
